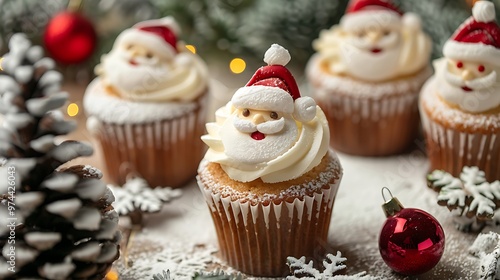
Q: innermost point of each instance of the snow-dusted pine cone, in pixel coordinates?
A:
(59, 222)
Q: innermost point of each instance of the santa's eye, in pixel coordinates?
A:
(149, 55)
(480, 68)
(361, 34)
(128, 46)
(386, 32)
(274, 115)
(245, 112)
(460, 64)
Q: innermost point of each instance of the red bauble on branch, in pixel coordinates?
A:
(70, 38)
(411, 241)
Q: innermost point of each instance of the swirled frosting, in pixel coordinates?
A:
(402, 50)
(310, 147)
(184, 80)
(149, 64)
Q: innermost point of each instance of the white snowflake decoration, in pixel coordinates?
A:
(487, 248)
(470, 193)
(184, 266)
(332, 264)
(182, 260)
(137, 195)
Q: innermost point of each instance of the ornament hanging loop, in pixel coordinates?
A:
(392, 205)
(389, 191)
(75, 5)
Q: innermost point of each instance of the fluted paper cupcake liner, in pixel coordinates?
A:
(256, 237)
(367, 118)
(450, 149)
(369, 126)
(164, 152)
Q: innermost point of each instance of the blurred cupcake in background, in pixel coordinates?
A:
(366, 76)
(460, 104)
(147, 106)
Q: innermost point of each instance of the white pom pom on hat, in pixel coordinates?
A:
(412, 21)
(277, 55)
(305, 109)
(483, 11)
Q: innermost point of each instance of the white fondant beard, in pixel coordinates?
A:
(242, 147)
(362, 63)
(141, 78)
(485, 94)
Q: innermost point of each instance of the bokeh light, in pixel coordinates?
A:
(72, 109)
(191, 48)
(1, 58)
(112, 275)
(237, 65)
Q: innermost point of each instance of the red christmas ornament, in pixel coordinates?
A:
(70, 38)
(411, 241)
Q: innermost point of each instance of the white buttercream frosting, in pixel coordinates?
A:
(324, 83)
(400, 50)
(113, 109)
(151, 65)
(184, 79)
(310, 147)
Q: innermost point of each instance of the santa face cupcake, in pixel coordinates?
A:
(147, 106)
(268, 177)
(366, 76)
(460, 104)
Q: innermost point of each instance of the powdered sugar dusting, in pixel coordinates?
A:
(356, 222)
(293, 191)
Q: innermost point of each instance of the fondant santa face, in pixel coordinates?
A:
(367, 49)
(467, 75)
(262, 133)
(471, 85)
(141, 69)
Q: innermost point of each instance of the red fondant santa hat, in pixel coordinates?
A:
(159, 35)
(273, 88)
(376, 13)
(478, 38)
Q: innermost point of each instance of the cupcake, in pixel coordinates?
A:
(147, 105)
(268, 176)
(366, 76)
(460, 104)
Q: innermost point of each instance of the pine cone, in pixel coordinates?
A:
(61, 224)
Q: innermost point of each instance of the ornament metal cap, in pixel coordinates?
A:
(391, 206)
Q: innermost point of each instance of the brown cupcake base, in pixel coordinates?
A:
(164, 152)
(359, 128)
(456, 138)
(257, 233)
(451, 150)
(367, 118)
